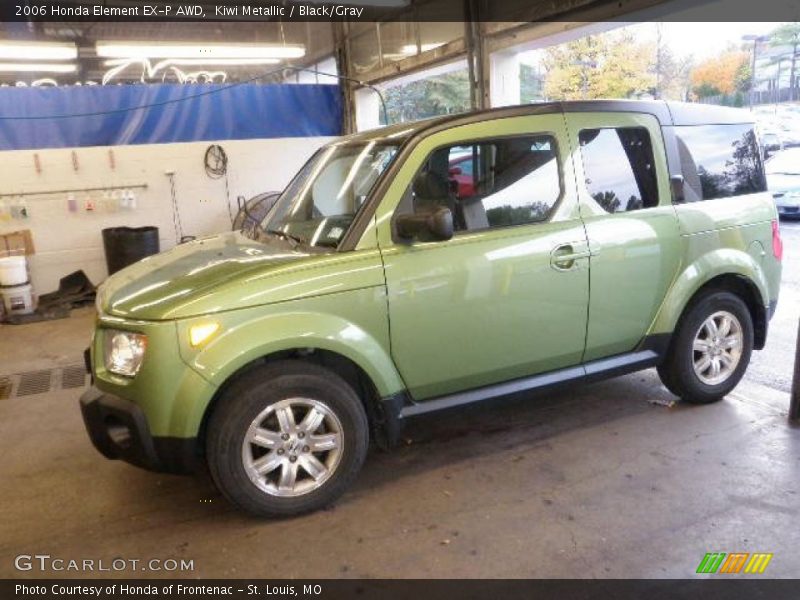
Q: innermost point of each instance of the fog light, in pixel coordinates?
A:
(199, 333)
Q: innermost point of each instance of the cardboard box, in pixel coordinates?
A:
(16, 243)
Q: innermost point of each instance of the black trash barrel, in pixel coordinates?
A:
(126, 245)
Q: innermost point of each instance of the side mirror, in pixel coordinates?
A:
(437, 224)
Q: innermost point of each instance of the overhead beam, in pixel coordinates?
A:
(453, 50)
(505, 35)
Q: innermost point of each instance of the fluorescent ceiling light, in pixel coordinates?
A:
(185, 62)
(37, 51)
(37, 67)
(107, 49)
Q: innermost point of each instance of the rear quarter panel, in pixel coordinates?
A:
(723, 236)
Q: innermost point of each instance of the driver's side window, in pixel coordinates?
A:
(490, 183)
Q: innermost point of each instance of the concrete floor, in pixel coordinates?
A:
(606, 480)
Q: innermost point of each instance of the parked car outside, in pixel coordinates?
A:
(461, 174)
(599, 238)
(771, 143)
(783, 180)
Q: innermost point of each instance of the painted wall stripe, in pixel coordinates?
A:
(734, 562)
(758, 562)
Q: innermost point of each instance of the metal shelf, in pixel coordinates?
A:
(107, 188)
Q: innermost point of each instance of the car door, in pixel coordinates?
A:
(507, 296)
(631, 224)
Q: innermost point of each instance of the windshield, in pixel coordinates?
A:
(322, 200)
(787, 161)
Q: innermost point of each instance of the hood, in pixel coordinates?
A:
(156, 287)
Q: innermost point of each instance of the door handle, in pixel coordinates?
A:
(563, 256)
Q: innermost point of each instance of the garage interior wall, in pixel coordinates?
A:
(66, 241)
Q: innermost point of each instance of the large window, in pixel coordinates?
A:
(719, 161)
(322, 200)
(619, 168)
(492, 183)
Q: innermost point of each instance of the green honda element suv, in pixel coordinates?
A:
(425, 266)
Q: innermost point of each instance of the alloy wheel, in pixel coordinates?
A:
(717, 348)
(292, 447)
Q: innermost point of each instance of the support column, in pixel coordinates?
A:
(476, 55)
(342, 56)
(504, 78)
(794, 404)
(368, 109)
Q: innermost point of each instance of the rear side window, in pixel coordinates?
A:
(719, 161)
(619, 168)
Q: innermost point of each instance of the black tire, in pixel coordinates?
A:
(677, 370)
(265, 386)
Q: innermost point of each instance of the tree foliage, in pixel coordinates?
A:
(787, 34)
(440, 95)
(725, 74)
(531, 84)
(610, 65)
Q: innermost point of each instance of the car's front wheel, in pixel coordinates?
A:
(286, 438)
(710, 350)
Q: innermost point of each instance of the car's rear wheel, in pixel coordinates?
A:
(286, 438)
(710, 350)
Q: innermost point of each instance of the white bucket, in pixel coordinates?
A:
(13, 271)
(18, 299)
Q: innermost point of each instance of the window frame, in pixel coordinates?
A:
(402, 207)
(652, 156)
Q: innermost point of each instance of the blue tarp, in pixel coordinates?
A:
(173, 113)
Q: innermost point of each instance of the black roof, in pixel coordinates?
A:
(668, 113)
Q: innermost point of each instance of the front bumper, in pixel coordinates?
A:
(119, 431)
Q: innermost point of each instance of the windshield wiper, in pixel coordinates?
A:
(296, 241)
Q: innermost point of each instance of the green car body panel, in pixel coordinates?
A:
(481, 285)
(284, 301)
(428, 319)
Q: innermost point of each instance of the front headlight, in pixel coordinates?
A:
(123, 351)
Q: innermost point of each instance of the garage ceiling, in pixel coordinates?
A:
(315, 38)
(409, 41)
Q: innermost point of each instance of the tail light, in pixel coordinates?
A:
(777, 243)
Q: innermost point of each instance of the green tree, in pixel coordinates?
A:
(788, 34)
(531, 84)
(609, 65)
(441, 95)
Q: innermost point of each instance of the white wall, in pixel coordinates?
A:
(66, 242)
(504, 73)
